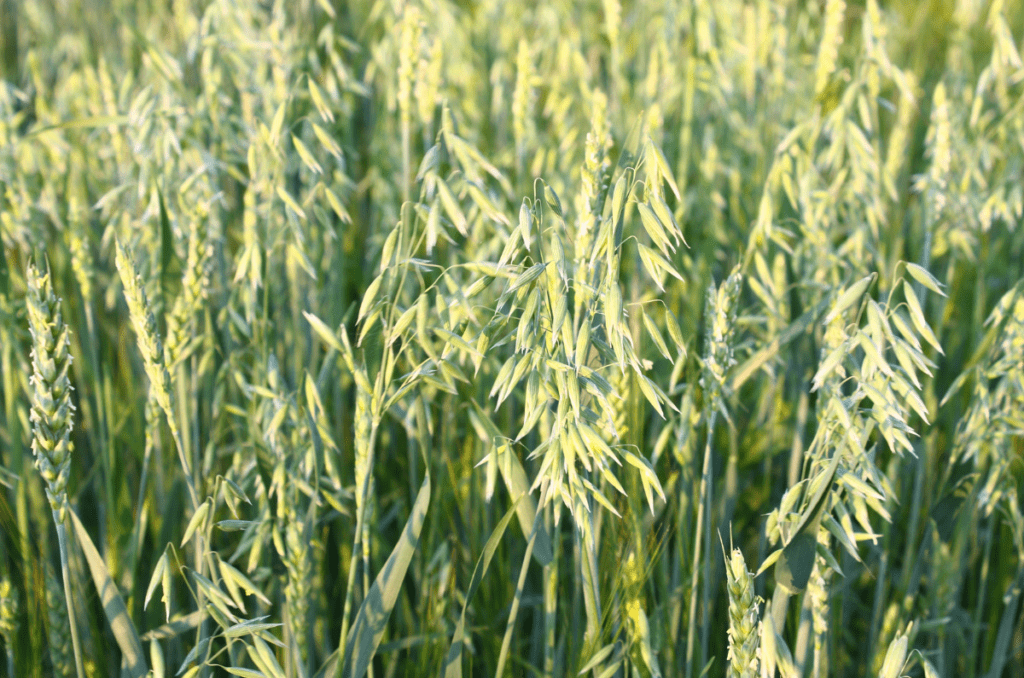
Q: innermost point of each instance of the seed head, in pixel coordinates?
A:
(146, 330)
(51, 388)
(743, 615)
(8, 610)
(721, 318)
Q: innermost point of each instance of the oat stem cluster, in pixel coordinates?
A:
(401, 338)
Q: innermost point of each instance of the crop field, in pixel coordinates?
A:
(603, 338)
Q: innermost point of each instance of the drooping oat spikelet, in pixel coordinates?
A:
(831, 39)
(721, 319)
(744, 634)
(51, 389)
(57, 628)
(147, 333)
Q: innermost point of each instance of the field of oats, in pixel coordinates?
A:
(606, 338)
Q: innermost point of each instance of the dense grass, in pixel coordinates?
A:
(484, 338)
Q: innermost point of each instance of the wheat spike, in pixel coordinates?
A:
(721, 319)
(57, 627)
(51, 389)
(8, 611)
(147, 333)
(744, 634)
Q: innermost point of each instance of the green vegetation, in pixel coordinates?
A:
(440, 338)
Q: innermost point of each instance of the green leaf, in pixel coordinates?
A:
(158, 575)
(156, 656)
(453, 661)
(133, 658)
(170, 264)
(598, 657)
(516, 483)
(793, 569)
(82, 123)
(371, 620)
(175, 628)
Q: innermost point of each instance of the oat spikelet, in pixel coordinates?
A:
(744, 634)
(51, 389)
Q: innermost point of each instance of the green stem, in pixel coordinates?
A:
(551, 596)
(972, 656)
(353, 561)
(62, 540)
(513, 613)
(703, 515)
